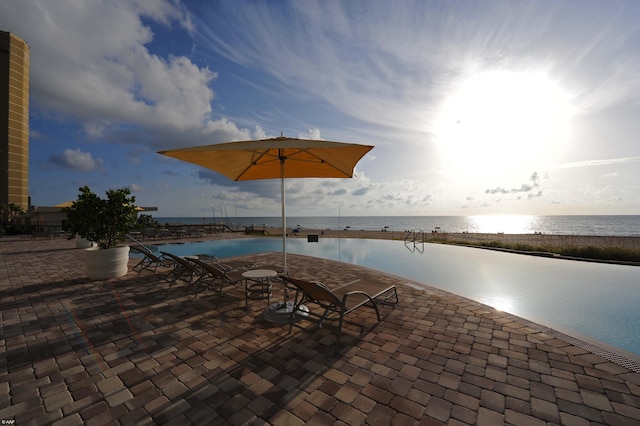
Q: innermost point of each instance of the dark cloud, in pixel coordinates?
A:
(498, 190)
(268, 188)
(361, 191)
(535, 179)
(534, 182)
(214, 178)
(340, 191)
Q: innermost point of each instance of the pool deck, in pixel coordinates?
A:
(134, 350)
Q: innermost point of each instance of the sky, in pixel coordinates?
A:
(474, 107)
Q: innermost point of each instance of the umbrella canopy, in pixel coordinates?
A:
(261, 159)
(274, 158)
(65, 204)
(70, 204)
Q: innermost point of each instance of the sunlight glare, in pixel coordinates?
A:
(506, 224)
(500, 122)
(503, 304)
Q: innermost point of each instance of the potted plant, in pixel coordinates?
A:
(105, 222)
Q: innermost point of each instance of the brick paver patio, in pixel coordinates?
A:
(136, 351)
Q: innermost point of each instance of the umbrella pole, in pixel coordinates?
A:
(284, 218)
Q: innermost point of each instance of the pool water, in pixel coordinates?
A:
(600, 301)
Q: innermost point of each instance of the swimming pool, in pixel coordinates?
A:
(600, 301)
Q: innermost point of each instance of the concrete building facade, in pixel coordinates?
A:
(14, 122)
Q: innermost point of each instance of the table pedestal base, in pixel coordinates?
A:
(279, 313)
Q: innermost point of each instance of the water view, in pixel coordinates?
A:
(606, 225)
(600, 301)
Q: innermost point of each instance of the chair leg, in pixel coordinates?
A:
(296, 305)
(195, 286)
(375, 306)
(340, 327)
(153, 268)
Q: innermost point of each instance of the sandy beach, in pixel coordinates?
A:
(555, 245)
(535, 240)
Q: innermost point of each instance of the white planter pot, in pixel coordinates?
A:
(82, 243)
(103, 264)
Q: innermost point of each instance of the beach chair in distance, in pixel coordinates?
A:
(149, 261)
(182, 269)
(338, 302)
(213, 274)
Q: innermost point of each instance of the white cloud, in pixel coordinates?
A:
(311, 134)
(91, 61)
(412, 56)
(591, 163)
(75, 159)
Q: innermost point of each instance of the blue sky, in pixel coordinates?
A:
(474, 107)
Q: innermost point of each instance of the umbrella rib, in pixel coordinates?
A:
(322, 161)
(273, 158)
(254, 161)
(261, 157)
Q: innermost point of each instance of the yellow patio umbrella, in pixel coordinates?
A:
(65, 204)
(70, 203)
(276, 158)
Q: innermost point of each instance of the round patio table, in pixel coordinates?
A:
(261, 288)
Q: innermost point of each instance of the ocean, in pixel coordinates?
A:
(604, 225)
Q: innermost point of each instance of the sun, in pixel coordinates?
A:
(496, 123)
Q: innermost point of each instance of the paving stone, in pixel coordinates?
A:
(487, 417)
(542, 391)
(439, 409)
(492, 400)
(579, 410)
(595, 400)
(71, 420)
(618, 420)
(626, 410)
(496, 374)
(57, 401)
(545, 410)
(517, 418)
(408, 407)
(364, 404)
(462, 399)
(110, 385)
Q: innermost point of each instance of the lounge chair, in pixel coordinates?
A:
(182, 269)
(213, 274)
(228, 265)
(338, 302)
(149, 260)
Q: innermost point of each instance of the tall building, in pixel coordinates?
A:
(14, 122)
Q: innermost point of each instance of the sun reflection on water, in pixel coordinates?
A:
(508, 224)
(504, 304)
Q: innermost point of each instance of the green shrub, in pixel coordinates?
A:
(103, 221)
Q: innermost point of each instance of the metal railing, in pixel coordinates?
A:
(414, 241)
(414, 237)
